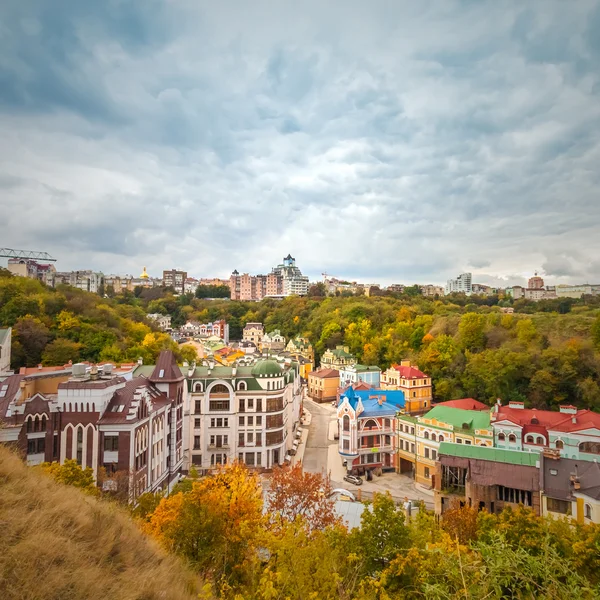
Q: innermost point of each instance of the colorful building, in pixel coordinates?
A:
(273, 341)
(571, 432)
(300, 346)
(367, 433)
(419, 437)
(352, 374)
(323, 385)
(415, 384)
(253, 332)
(337, 359)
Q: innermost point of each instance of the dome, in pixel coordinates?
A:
(266, 368)
(144, 275)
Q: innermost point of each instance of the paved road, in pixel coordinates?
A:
(315, 455)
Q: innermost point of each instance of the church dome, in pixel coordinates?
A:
(144, 275)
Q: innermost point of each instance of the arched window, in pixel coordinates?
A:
(197, 387)
(346, 423)
(559, 444)
(540, 440)
(219, 389)
(512, 438)
(268, 385)
(501, 437)
(434, 437)
(529, 439)
(590, 447)
(588, 511)
(242, 386)
(370, 424)
(44, 422)
(426, 435)
(441, 438)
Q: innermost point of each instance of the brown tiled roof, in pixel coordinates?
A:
(120, 404)
(166, 369)
(325, 373)
(10, 386)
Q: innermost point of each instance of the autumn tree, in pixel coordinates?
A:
(294, 493)
(70, 473)
(60, 352)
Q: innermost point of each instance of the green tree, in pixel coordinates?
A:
(60, 352)
(471, 332)
(30, 338)
(70, 473)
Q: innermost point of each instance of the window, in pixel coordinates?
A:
(501, 437)
(426, 472)
(433, 454)
(111, 443)
(529, 439)
(512, 438)
(426, 452)
(259, 405)
(250, 459)
(197, 459)
(441, 438)
(434, 437)
(558, 506)
(426, 435)
(197, 442)
(412, 448)
(412, 430)
(214, 405)
(258, 459)
(36, 446)
(242, 386)
(197, 423)
(79, 446)
(258, 439)
(514, 495)
(588, 511)
(559, 444)
(241, 457)
(219, 389)
(197, 407)
(458, 440)
(468, 442)
(241, 438)
(250, 437)
(346, 444)
(590, 447)
(250, 403)
(258, 421)
(346, 423)
(242, 407)
(241, 421)
(387, 423)
(250, 421)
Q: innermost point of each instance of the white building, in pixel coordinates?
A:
(294, 283)
(162, 321)
(245, 413)
(88, 281)
(461, 284)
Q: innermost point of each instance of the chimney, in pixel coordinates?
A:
(515, 404)
(140, 361)
(568, 409)
(405, 362)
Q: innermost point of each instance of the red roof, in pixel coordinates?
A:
(409, 372)
(166, 369)
(325, 373)
(548, 419)
(465, 403)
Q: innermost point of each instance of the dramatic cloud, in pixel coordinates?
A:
(384, 141)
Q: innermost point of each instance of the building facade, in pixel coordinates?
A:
(419, 438)
(245, 413)
(163, 322)
(367, 432)
(462, 284)
(337, 359)
(5, 349)
(323, 385)
(253, 332)
(175, 279)
(273, 341)
(352, 374)
(415, 384)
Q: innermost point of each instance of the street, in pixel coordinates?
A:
(321, 456)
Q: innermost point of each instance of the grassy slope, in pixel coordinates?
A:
(58, 543)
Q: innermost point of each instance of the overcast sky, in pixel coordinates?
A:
(382, 141)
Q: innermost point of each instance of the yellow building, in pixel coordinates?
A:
(338, 358)
(413, 382)
(300, 346)
(323, 385)
(419, 437)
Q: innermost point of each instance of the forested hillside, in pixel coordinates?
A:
(545, 354)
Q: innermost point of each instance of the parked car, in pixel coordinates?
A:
(353, 479)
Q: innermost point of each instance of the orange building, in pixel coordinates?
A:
(413, 382)
(323, 385)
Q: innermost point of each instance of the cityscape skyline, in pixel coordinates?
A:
(376, 143)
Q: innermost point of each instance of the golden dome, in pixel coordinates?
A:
(144, 275)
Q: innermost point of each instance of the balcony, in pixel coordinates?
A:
(374, 449)
(218, 446)
(384, 431)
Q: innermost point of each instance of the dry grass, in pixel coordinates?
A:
(58, 543)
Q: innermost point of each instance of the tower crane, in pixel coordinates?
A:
(26, 254)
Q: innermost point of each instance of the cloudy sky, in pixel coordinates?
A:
(381, 141)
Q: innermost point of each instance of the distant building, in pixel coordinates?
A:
(576, 291)
(175, 279)
(482, 290)
(23, 267)
(352, 374)
(398, 288)
(430, 291)
(273, 341)
(415, 384)
(301, 346)
(253, 332)
(190, 285)
(162, 321)
(462, 284)
(535, 283)
(367, 428)
(323, 385)
(88, 281)
(5, 350)
(337, 359)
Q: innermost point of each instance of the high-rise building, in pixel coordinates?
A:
(535, 283)
(461, 284)
(175, 279)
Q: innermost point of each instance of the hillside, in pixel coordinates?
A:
(59, 544)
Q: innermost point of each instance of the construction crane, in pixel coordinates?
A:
(26, 254)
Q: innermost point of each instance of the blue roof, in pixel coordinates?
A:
(394, 401)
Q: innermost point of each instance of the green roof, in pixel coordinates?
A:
(266, 368)
(363, 368)
(511, 457)
(341, 353)
(459, 417)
